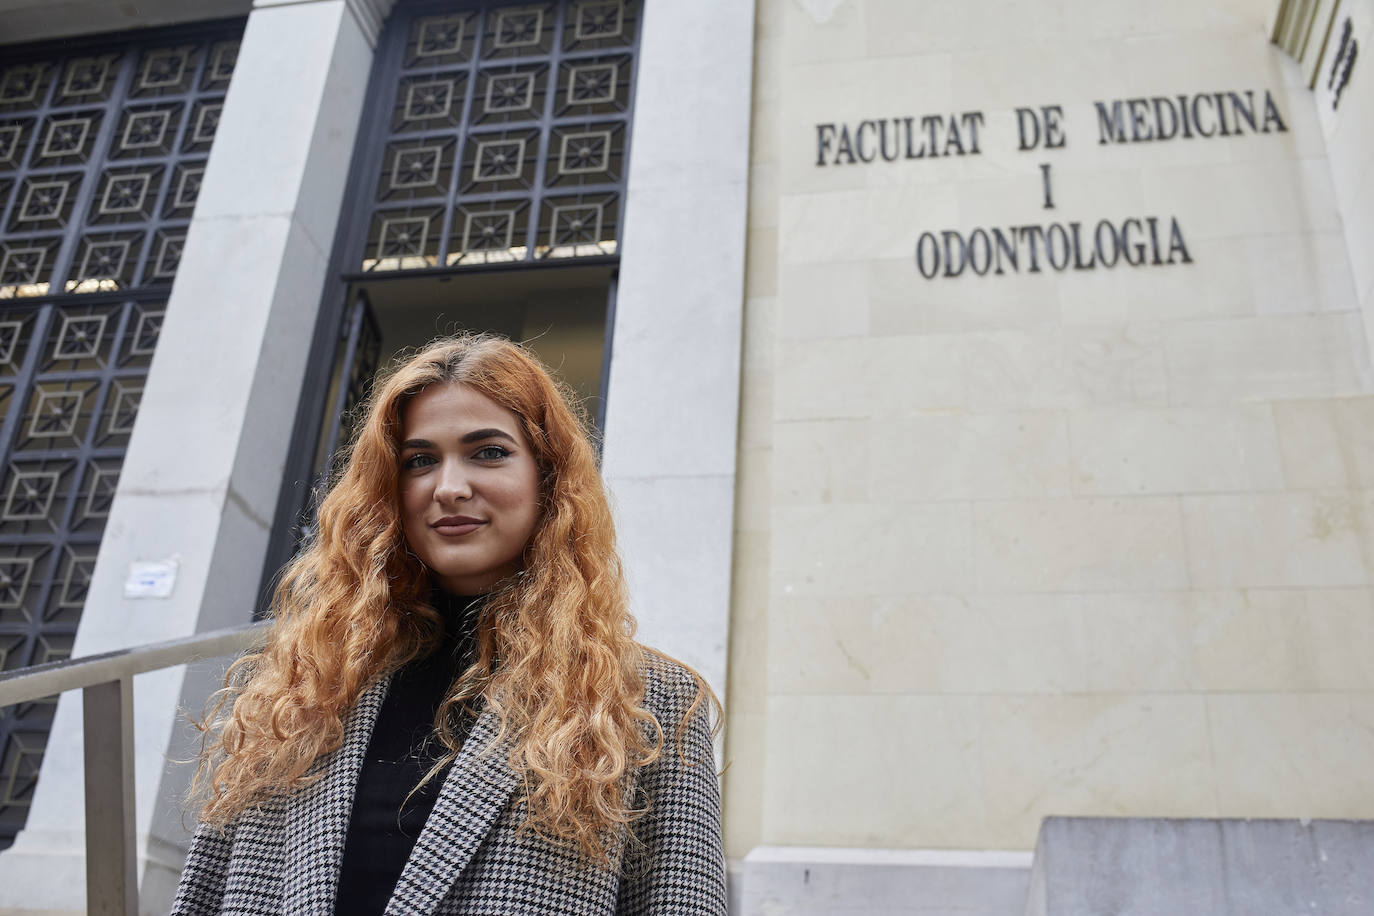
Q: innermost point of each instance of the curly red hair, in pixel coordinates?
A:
(556, 658)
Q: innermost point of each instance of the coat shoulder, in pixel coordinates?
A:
(670, 687)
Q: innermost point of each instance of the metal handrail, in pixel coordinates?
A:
(106, 684)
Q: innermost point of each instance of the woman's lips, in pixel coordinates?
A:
(457, 527)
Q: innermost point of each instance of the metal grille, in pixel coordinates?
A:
(102, 148)
(501, 134)
(360, 356)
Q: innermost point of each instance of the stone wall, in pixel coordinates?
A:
(1082, 541)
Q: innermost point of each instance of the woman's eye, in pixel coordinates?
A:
(491, 453)
(417, 461)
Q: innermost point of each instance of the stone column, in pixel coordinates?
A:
(205, 462)
(672, 403)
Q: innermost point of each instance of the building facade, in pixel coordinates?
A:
(984, 388)
(1049, 515)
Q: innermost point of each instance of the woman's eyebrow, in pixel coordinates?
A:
(477, 435)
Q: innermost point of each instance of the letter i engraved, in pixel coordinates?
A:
(1045, 177)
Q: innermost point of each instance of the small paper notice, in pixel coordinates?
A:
(151, 578)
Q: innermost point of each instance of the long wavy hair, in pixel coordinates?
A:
(555, 656)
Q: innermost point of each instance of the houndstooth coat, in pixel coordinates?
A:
(284, 857)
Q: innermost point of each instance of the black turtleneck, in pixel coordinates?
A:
(385, 822)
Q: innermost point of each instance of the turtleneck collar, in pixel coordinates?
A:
(460, 613)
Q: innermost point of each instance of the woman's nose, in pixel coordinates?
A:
(453, 483)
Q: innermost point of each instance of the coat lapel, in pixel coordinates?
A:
(473, 796)
(317, 816)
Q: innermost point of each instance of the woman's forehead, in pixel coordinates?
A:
(455, 407)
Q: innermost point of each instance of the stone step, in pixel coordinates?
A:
(1202, 867)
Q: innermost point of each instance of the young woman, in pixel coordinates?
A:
(450, 714)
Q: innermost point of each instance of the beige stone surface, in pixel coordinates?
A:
(1293, 754)
(1231, 640)
(822, 645)
(824, 301)
(1291, 539)
(854, 377)
(756, 401)
(1339, 631)
(1359, 222)
(1175, 450)
(753, 490)
(760, 277)
(928, 644)
(872, 549)
(818, 462)
(856, 225)
(745, 734)
(873, 771)
(1068, 367)
(1219, 200)
(1182, 293)
(1252, 640)
(1107, 755)
(742, 781)
(748, 676)
(897, 306)
(1266, 358)
(1095, 542)
(1022, 454)
(1301, 274)
(1073, 545)
(1030, 643)
(759, 351)
(763, 194)
(1139, 642)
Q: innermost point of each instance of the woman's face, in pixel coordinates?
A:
(469, 487)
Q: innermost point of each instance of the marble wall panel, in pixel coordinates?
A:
(1139, 642)
(862, 377)
(1347, 125)
(1359, 235)
(1183, 292)
(858, 225)
(1293, 754)
(872, 549)
(1219, 200)
(1252, 639)
(1280, 540)
(1062, 527)
(1074, 367)
(741, 784)
(1068, 545)
(1326, 443)
(939, 643)
(760, 275)
(1339, 631)
(759, 348)
(763, 192)
(1278, 357)
(1175, 450)
(900, 301)
(822, 645)
(1023, 454)
(821, 461)
(1104, 754)
(1301, 274)
(872, 771)
(748, 673)
(826, 300)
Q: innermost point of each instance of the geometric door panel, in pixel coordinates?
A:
(500, 135)
(102, 148)
(494, 136)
